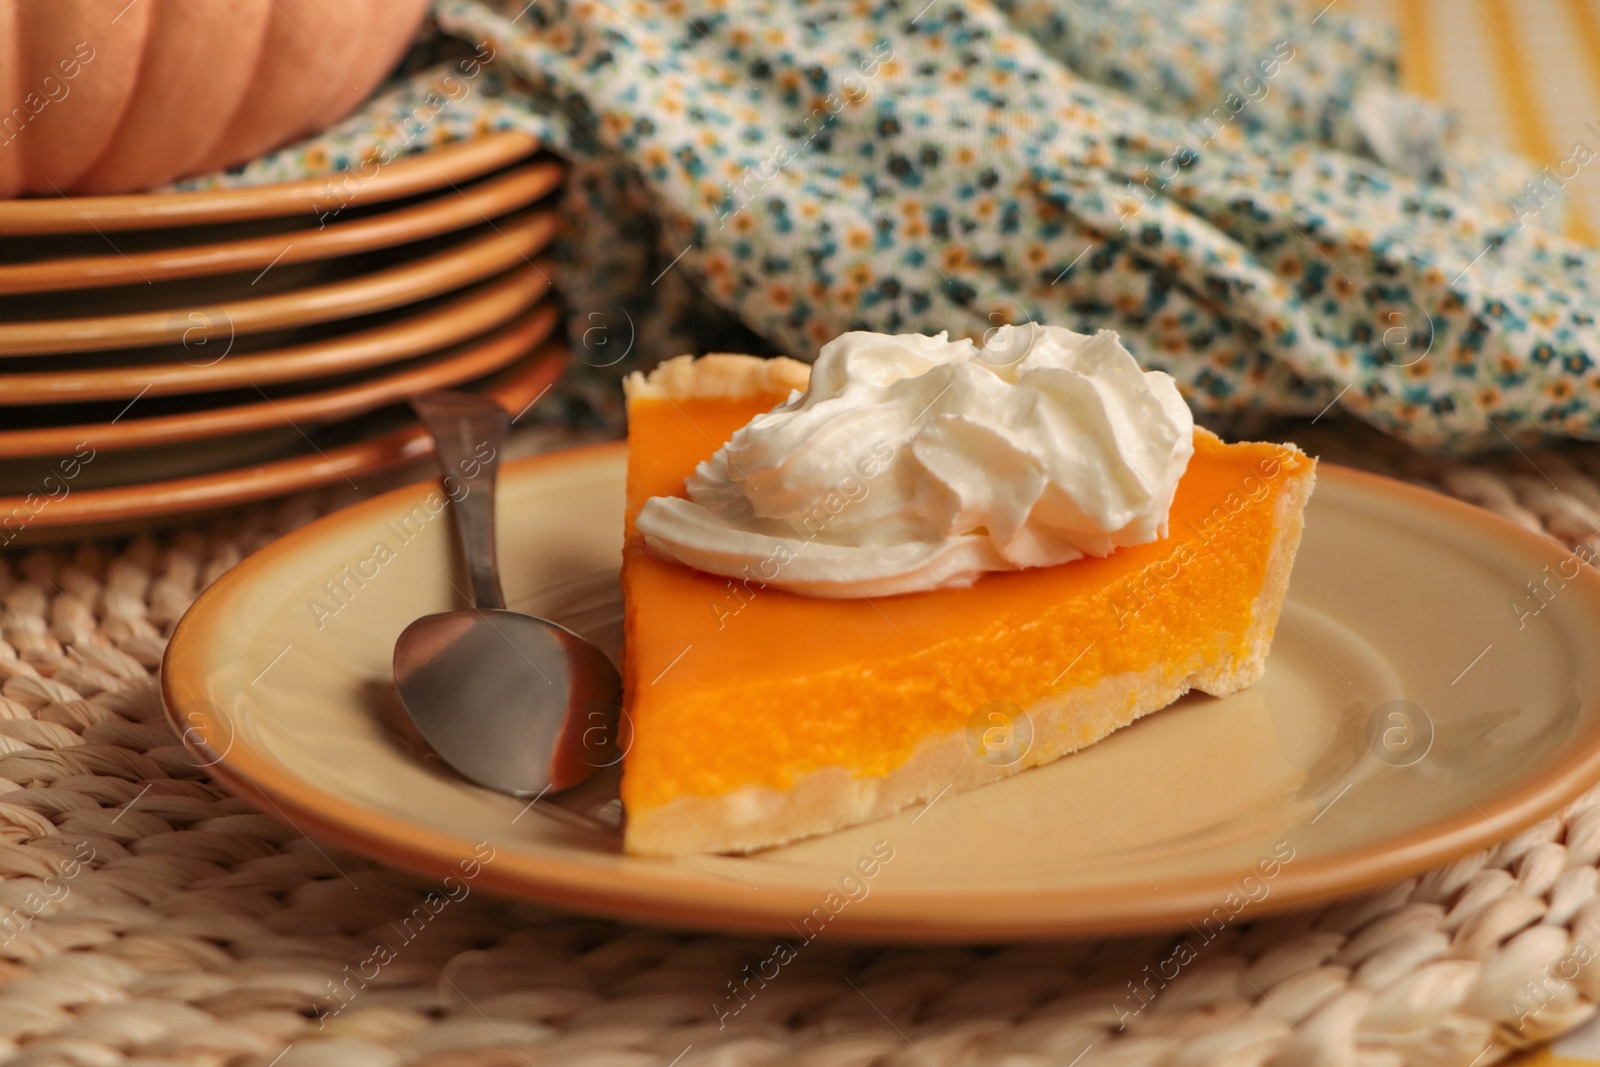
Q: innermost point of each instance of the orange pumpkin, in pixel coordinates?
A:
(110, 96)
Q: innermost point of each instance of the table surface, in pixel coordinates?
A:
(1522, 73)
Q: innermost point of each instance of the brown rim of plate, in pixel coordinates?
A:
(483, 307)
(402, 177)
(445, 213)
(516, 389)
(461, 264)
(925, 916)
(479, 358)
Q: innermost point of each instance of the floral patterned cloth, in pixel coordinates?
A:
(1236, 188)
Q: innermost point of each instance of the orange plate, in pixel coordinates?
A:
(481, 357)
(212, 365)
(57, 506)
(455, 210)
(462, 263)
(406, 176)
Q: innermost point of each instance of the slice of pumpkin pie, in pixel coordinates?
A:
(921, 566)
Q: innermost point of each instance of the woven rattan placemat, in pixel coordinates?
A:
(147, 917)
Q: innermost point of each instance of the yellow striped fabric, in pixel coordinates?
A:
(1524, 73)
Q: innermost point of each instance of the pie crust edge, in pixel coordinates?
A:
(718, 376)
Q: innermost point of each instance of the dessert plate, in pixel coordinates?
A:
(124, 495)
(1408, 715)
(368, 184)
(476, 359)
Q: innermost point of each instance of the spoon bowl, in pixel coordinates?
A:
(513, 702)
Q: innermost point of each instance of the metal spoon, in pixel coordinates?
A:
(515, 703)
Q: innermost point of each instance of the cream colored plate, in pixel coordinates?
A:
(1408, 715)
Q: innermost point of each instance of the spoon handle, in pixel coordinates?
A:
(468, 436)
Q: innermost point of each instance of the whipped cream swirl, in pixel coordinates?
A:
(912, 463)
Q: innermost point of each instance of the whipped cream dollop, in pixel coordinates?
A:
(912, 463)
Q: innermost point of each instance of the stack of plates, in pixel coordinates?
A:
(165, 354)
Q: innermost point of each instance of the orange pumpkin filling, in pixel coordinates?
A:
(732, 684)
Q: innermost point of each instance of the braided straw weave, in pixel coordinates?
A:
(147, 917)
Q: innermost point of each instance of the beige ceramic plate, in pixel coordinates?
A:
(454, 210)
(1313, 783)
(313, 197)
